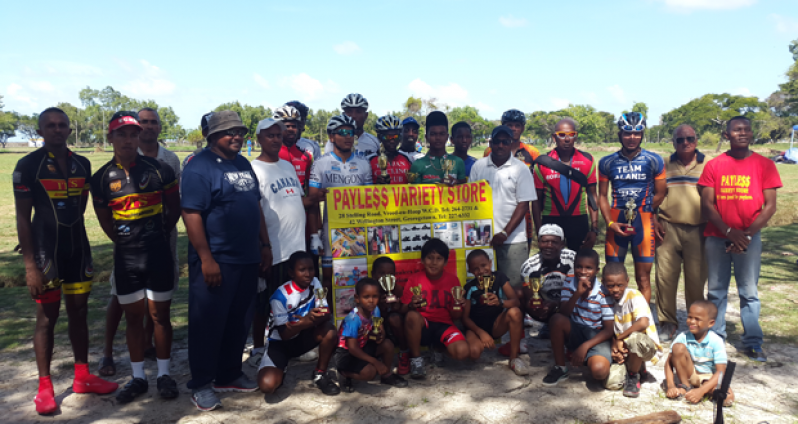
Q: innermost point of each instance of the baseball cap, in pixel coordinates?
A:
(551, 230)
(123, 118)
(222, 121)
(410, 121)
(502, 129)
(268, 123)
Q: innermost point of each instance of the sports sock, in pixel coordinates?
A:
(563, 368)
(163, 366)
(138, 370)
(86, 382)
(320, 371)
(45, 398)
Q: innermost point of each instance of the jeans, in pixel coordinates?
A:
(746, 275)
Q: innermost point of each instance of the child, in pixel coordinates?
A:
(296, 326)
(583, 324)
(394, 319)
(389, 132)
(698, 356)
(491, 317)
(429, 316)
(636, 339)
(356, 353)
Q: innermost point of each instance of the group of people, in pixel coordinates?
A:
(258, 241)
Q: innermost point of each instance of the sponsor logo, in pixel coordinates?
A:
(51, 168)
(629, 192)
(344, 179)
(60, 205)
(115, 186)
(112, 174)
(282, 183)
(241, 181)
(16, 177)
(150, 225)
(123, 230)
(145, 181)
(89, 271)
(74, 168)
(451, 336)
(336, 168)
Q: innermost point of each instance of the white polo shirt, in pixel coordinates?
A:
(511, 183)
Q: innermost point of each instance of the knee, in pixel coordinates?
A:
(328, 331)
(514, 315)
(460, 351)
(386, 346)
(558, 321)
(413, 318)
(678, 351)
(45, 321)
(368, 372)
(475, 351)
(161, 318)
(600, 369)
(268, 382)
(395, 320)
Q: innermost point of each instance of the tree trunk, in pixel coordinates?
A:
(664, 417)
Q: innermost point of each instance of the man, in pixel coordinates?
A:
(738, 197)
(430, 168)
(150, 123)
(638, 187)
(356, 107)
(410, 129)
(204, 130)
(462, 139)
(229, 238)
(137, 203)
(52, 181)
(564, 200)
(398, 163)
(683, 226)
(304, 144)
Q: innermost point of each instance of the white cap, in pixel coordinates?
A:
(551, 230)
(267, 123)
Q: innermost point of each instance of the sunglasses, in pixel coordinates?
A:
(345, 133)
(389, 137)
(505, 141)
(566, 134)
(235, 132)
(633, 128)
(681, 140)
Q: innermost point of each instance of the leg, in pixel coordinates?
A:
(113, 315)
(633, 363)
(259, 330)
(385, 351)
(475, 346)
(269, 379)
(667, 265)
(134, 318)
(458, 350)
(680, 360)
(513, 320)
(327, 338)
(149, 331)
(746, 274)
(398, 330)
(159, 315)
(560, 330)
(243, 282)
(718, 279)
(77, 308)
(695, 265)
(46, 317)
(599, 367)
(414, 322)
(643, 279)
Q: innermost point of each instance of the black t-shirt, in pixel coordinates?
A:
(473, 292)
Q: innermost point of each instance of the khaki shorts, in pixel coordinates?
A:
(639, 344)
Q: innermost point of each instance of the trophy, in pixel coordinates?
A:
(534, 284)
(448, 167)
(630, 213)
(416, 290)
(376, 324)
(55, 283)
(457, 292)
(321, 300)
(412, 177)
(486, 283)
(388, 283)
(382, 162)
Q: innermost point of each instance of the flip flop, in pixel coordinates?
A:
(106, 362)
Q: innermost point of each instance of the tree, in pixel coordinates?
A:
(705, 112)
(27, 125)
(8, 124)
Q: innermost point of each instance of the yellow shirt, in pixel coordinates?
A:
(682, 205)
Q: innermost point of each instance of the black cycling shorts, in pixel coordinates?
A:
(140, 273)
(280, 352)
(349, 363)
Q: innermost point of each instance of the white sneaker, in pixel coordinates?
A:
(528, 321)
(310, 355)
(519, 367)
(523, 348)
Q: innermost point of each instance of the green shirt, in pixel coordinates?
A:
(430, 169)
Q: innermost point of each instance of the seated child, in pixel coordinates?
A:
(392, 312)
(487, 318)
(636, 339)
(297, 326)
(356, 356)
(429, 316)
(698, 357)
(583, 323)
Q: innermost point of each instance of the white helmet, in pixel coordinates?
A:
(287, 113)
(354, 100)
(388, 122)
(340, 121)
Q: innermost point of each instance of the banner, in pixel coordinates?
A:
(367, 222)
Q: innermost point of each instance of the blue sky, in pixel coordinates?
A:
(530, 55)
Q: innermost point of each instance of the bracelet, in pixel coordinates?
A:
(610, 224)
(267, 245)
(728, 230)
(503, 232)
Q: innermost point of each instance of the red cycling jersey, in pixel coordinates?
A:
(299, 159)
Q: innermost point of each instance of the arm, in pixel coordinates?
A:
(196, 235)
(768, 209)
(105, 216)
(669, 380)
(485, 338)
(172, 203)
(512, 298)
(639, 326)
(604, 205)
(660, 190)
(736, 236)
(594, 214)
(536, 219)
(354, 349)
(592, 234)
(265, 245)
(515, 219)
(34, 276)
(536, 214)
(310, 320)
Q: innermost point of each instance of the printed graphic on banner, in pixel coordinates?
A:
(450, 233)
(383, 240)
(414, 236)
(478, 233)
(344, 302)
(348, 242)
(347, 272)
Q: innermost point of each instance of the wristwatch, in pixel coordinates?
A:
(262, 245)
(503, 232)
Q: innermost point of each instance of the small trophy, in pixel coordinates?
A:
(321, 300)
(448, 167)
(55, 283)
(534, 284)
(412, 177)
(457, 292)
(376, 324)
(388, 283)
(416, 290)
(630, 213)
(382, 162)
(486, 283)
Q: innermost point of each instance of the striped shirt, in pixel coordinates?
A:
(632, 307)
(682, 204)
(592, 311)
(289, 304)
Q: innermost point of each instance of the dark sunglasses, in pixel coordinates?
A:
(235, 132)
(681, 140)
(345, 133)
(505, 141)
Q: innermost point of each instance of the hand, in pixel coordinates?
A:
(578, 358)
(35, 279)
(316, 246)
(618, 357)
(492, 300)
(384, 180)
(265, 259)
(316, 316)
(620, 346)
(381, 336)
(739, 239)
(381, 368)
(622, 229)
(416, 301)
(674, 392)
(211, 273)
(659, 231)
(590, 240)
(498, 239)
(486, 340)
(694, 396)
(583, 286)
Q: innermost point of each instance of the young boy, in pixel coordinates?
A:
(357, 353)
(429, 315)
(296, 326)
(394, 319)
(636, 339)
(487, 318)
(583, 324)
(462, 139)
(698, 357)
(389, 132)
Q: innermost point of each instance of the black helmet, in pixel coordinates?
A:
(513, 115)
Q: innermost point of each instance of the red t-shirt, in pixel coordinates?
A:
(300, 160)
(437, 294)
(397, 168)
(739, 186)
(549, 181)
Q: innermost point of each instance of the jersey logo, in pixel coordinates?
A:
(241, 181)
(51, 168)
(115, 185)
(145, 181)
(17, 177)
(89, 270)
(74, 168)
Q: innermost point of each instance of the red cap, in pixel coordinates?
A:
(121, 122)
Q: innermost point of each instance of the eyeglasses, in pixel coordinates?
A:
(505, 141)
(233, 132)
(391, 137)
(345, 133)
(565, 134)
(681, 140)
(633, 128)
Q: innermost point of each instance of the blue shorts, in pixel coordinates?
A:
(581, 333)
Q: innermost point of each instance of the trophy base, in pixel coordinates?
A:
(535, 303)
(323, 310)
(424, 304)
(390, 299)
(373, 337)
(457, 308)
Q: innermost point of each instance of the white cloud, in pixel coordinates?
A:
(260, 80)
(308, 87)
(347, 48)
(150, 83)
(558, 103)
(617, 93)
(452, 94)
(482, 107)
(16, 92)
(785, 24)
(689, 5)
(511, 21)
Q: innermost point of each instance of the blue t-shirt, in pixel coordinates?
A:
(705, 354)
(227, 195)
(469, 162)
(356, 326)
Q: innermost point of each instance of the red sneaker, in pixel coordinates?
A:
(403, 367)
(504, 350)
(45, 399)
(92, 384)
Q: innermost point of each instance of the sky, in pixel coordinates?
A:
(530, 55)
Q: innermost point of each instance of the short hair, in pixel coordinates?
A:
(363, 282)
(298, 256)
(435, 245)
(462, 125)
(50, 110)
(476, 253)
(382, 260)
(680, 127)
(615, 268)
(149, 109)
(567, 120)
(708, 306)
(737, 118)
(587, 253)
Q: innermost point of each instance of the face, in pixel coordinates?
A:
(291, 132)
(410, 133)
(500, 147)
(390, 139)
(517, 128)
(684, 140)
(359, 114)
(433, 264)
(368, 298)
(383, 270)
(271, 140)
(616, 285)
(462, 140)
(698, 320)
(479, 266)
(739, 134)
(54, 129)
(303, 273)
(344, 143)
(550, 247)
(229, 145)
(437, 137)
(630, 140)
(150, 126)
(562, 137)
(125, 141)
(585, 268)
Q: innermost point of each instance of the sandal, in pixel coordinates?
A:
(107, 366)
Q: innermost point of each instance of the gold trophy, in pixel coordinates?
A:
(457, 292)
(321, 300)
(630, 213)
(448, 167)
(412, 177)
(376, 324)
(486, 283)
(416, 290)
(534, 284)
(388, 283)
(382, 162)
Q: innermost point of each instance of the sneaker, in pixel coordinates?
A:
(756, 354)
(242, 384)
(504, 350)
(393, 380)
(667, 331)
(310, 355)
(134, 388)
(205, 399)
(45, 402)
(544, 333)
(403, 367)
(519, 367)
(325, 383)
(167, 387)
(631, 388)
(555, 375)
(528, 321)
(90, 383)
(437, 358)
(255, 356)
(417, 370)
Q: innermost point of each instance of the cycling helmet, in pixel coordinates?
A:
(632, 122)
(388, 122)
(354, 100)
(301, 107)
(287, 113)
(513, 115)
(340, 121)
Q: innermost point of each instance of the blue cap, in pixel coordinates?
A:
(501, 129)
(410, 120)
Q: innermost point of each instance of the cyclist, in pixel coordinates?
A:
(300, 159)
(356, 107)
(303, 143)
(410, 144)
(389, 131)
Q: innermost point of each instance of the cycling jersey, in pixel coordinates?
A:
(367, 145)
(525, 153)
(309, 146)
(60, 246)
(356, 326)
(562, 196)
(397, 169)
(552, 279)
(289, 304)
(299, 159)
(430, 169)
(632, 178)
